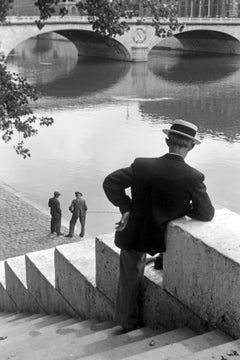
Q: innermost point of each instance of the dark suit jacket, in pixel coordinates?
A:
(55, 209)
(162, 189)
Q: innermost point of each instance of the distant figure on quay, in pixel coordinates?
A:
(78, 209)
(56, 214)
(162, 189)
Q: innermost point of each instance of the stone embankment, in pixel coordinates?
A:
(25, 227)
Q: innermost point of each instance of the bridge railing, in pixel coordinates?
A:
(30, 19)
(209, 20)
(133, 20)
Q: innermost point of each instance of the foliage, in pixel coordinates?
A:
(108, 18)
(15, 113)
(16, 94)
(163, 14)
(4, 6)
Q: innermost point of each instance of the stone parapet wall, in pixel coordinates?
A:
(202, 268)
(159, 308)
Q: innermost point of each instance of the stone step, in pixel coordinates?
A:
(114, 349)
(49, 339)
(13, 332)
(228, 351)
(40, 273)
(15, 339)
(22, 323)
(15, 317)
(16, 285)
(75, 274)
(76, 280)
(185, 348)
(64, 345)
(6, 303)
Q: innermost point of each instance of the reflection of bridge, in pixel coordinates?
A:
(200, 34)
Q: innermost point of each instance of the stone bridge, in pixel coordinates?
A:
(209, 35)
(199, 34)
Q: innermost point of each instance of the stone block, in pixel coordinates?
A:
(16, 285)
(6, 303)
(139, 53)
(76, 280)
(159, 308)
(202, 268)
(107, 266)
(40, 272)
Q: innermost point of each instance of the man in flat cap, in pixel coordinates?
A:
(162, 189)
(56, 214)
(78, 209)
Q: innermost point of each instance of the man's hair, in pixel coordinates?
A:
(178, 140)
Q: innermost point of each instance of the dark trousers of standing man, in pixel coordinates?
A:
(132, 264)
(73, 221)
(55, 225)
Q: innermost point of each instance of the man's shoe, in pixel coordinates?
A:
(68, 235)
(132, 328)
(158, 263)
(60, 234)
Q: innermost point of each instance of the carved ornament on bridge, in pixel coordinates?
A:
(139, 35)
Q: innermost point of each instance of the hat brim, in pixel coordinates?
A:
(195, 141)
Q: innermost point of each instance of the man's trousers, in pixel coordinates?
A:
(132, 264)
(73, 221)
(55, 225)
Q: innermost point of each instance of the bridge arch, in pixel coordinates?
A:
(86, 41)
(134, 45)
(89, 43)
(208, 41)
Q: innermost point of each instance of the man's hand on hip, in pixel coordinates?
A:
(123, 222)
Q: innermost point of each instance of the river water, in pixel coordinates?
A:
(107, 113)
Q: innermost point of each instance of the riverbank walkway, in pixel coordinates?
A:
(25, 227)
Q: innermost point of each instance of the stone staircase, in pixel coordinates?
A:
(58, 304)
(57, 337)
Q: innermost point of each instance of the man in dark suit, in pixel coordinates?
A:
(78, 209)
(162, 189)
(56, 214)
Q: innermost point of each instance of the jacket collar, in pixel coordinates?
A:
(174, 157)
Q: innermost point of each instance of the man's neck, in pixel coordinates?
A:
(174, 153)
(179, 151)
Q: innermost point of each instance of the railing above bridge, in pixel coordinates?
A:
(133, 20)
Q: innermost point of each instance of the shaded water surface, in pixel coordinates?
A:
(107, 113)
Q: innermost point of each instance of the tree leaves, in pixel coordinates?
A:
(16, 115)
(108, 17)
(4, 6)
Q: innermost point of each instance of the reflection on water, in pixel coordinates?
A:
(193, 69)
(205, 90)
(106, 113)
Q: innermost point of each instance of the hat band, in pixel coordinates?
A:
(183, 129)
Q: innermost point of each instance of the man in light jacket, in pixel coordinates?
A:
(78, 209)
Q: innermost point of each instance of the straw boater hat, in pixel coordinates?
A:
(183, 128)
